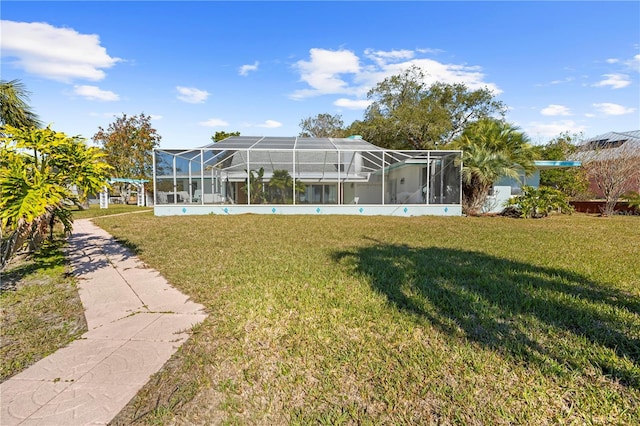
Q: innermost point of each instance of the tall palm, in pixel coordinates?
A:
(492, 149)
(14, 107)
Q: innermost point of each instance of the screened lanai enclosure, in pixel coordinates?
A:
(290, 175)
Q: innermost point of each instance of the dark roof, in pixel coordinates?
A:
(612, 140)
(609, 145)
(274, 143)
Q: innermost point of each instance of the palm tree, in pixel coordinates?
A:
(281, 185)
(256, 186)
(492, 149)
(14, 108)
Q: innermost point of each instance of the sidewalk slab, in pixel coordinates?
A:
(136, 321)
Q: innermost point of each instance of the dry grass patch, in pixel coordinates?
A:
(360, 320)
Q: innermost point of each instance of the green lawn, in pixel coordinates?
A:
(95, 210)
(41, 310)
(380, 320)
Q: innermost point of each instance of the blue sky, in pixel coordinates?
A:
(261, 67)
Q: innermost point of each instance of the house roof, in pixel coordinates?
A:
(275, 143)
(549, 164)
(318, 158)
(613, 140)
(615, 137)
(609, 145)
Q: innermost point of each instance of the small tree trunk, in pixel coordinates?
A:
(609, 207)
(474, 196)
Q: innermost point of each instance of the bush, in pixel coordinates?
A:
(633, 200)
(539, 202)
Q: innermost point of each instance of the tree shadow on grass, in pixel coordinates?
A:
(84, 251)
(48, 257)
(549, 317)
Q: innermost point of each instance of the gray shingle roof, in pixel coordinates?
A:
(609, 145)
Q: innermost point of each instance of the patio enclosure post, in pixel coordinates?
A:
(383, 176)
(154, 176)
(175, 182)
(202, 176)
(248, 180)
(340, 179)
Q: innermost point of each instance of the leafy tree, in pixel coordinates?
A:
(14, 107)
(128, 144)
(572, 181)
(539, 202)
(322, 126)
(39, 170)
(281, 187)
(492, 149)
(223, 135)
(406, 113)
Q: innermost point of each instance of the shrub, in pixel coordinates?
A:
(539, 202)
(633, 200)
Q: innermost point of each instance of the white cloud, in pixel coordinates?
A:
(613, 109)
(245, 69)
(192, 95)
(634, 63)
(555, 82)
(270, 124)
(214, 122)
(94, 93)
(352, 103)
(554, 110)
(436, 71)
(553, 128)
(323, 71)
(613, 61)
(60, 54)
(382, 57)
(428, 50)
(343, 72)
(616, 81)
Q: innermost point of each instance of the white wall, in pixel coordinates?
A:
(367, 193)
(506, 187)
(409, 191)
(307, 209)
(495, 201)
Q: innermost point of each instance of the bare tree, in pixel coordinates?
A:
(614, 169)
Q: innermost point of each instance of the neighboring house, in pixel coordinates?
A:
(506, 187)
(614, 146)
(607, 146)
(332, 176)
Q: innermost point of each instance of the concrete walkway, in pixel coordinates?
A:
(135, 320)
